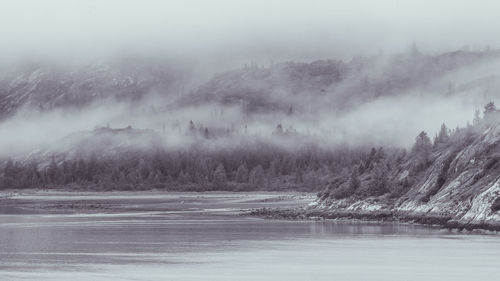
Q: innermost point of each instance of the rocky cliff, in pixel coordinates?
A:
(459, 188)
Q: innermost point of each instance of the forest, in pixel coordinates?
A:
(340, 171)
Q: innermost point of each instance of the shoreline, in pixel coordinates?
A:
(445, 222)
(70, 202)
(261, 204)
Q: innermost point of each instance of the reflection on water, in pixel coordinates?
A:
(213, 246)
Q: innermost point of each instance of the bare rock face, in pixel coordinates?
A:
(480, 210)
(474, 182)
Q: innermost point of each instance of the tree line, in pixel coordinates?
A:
(264, 167)
(382, 174)
(337, 172)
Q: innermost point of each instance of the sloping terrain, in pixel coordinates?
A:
(459, 186)
(289, 87)
(45, 87)
(301, 87)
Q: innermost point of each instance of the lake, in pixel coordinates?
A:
(183, 236)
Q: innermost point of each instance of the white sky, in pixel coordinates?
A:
(232, 30)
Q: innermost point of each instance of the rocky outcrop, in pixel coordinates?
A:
(460, 188)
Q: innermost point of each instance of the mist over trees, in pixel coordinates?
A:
(338, 172)
(284, 126)
(333, 100)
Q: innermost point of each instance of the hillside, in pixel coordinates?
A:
(44, 86)
(340, 86)
(278, 88)
(455, 182)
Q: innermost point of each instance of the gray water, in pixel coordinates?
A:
(212, 243)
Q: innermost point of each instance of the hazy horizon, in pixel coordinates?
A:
(226, 34)
(183, 44)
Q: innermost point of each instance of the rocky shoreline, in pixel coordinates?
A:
(385, 215)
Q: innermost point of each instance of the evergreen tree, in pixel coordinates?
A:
(182, 178)
(279, 130)
(242, 174)
(490, 108)
(443, 134)
(379, 184)
(422, 149)
(9, 174)
(380, 154)
(354, 181)
(144, 169)
(477, 118)
(191, 127)
(371, 158)
(257, 176)
(81, 170)
(52, 171)
(490, 113)
(220, 178)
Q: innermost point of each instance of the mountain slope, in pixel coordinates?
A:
(339, 85)
(289, 87)
(44, 87)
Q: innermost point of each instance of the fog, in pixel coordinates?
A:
(200, 39)
(224, 33)
(383, 121)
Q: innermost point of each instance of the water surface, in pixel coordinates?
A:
(202, 239)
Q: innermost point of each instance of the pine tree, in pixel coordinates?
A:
(477, 118)
(354, 181)
(379, 184)
(422, 149)
(371, 158)
(220, 177)
(490, 113)
(242, 174)
(279, 129)
(443, 134)
(52, 171)
(380, 154)
(257, 176)
(489, 108)
(81, 170)
(144, 169)
(182, 178)
(191, 127)
(9, 172)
